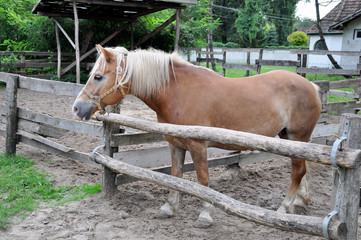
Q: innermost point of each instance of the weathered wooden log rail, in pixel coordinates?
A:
(345, 225)
(348, 158)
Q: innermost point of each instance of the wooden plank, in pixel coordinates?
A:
(155, 31)
(289, 222)
(287, 63)
(324, 52)
(188, 167)
(41, 129)
(124, 139)
(343, 94)
(208, 60)
(348, 158)
(241, 49)
(11, 114)
(345, 83)
(157, 156)
(49, 86)
(209, 53)
(70, 125)
(77, 48)
(327, 71)
(50, 146)
(240, 66)
(2, 130)
(342, 107)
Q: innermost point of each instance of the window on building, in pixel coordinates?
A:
(357, 34)
(319, 45)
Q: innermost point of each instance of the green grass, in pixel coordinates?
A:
(23, 188)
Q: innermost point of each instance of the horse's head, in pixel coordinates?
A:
(103, 86)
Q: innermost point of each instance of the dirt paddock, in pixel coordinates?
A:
(130, 213)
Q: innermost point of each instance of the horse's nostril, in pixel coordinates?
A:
(75, 109)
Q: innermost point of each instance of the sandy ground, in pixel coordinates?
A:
(130, 213)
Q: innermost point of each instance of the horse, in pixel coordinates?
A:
(274, 103)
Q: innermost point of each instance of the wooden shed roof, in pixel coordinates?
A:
(126, 10)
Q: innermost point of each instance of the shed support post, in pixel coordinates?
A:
(12, 84)
(349, 185)
(176, 43)
(58, 46)
(77, 49)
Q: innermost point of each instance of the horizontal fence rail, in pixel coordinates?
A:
(348, 158)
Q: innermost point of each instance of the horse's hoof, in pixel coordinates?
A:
(165, 212)
(204, 221)
(289, 209)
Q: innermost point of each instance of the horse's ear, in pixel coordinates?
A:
(107, 54)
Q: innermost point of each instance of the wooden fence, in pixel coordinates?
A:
(342, 223)
(300, 64)
(32, 128)
(37, 60)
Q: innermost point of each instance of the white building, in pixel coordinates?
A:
(342, 32)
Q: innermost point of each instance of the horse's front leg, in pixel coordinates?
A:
(171, 206)
(198, 151)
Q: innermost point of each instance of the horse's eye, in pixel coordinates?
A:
(98, 77)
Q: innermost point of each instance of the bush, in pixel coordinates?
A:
(298, 38)
(231, 45)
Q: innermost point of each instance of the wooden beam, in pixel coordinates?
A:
(58, 47)
(348, 158)
(177, 30)
(157, 30)
(64, 32)
(77, 48)
(110, 37)
(50, 146)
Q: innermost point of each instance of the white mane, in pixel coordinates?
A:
(146, 71)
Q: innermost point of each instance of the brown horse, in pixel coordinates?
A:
(275, 103)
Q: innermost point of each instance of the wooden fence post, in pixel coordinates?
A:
(323, 92)
(260, 57)
(11, 114)
(346, 191)
(109, 185)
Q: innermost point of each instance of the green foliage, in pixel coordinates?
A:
(196, 21)
(7, 63)
(298, 38)
(22, 188)
(250, 25)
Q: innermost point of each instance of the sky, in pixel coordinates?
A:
(308, 10)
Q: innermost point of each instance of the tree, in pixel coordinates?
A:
(282, 14)
(250, 25)
(298, 38)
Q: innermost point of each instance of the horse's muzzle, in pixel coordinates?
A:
(83, 110)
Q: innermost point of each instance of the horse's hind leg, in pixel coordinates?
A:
(298, 172)
(171, 206)
(298, 191)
